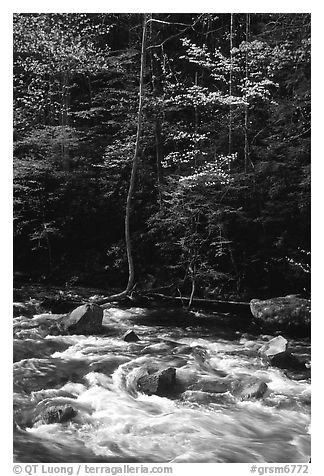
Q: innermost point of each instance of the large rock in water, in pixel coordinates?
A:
(130, 336)
(286, 360)
(276, 353)
(86, 319)
(288, 313)
(274, 346)
(159, 383)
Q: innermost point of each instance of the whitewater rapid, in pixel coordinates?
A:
(116, 423)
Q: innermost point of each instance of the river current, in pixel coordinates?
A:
(116, 423)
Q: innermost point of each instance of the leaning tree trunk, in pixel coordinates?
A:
(131, 271)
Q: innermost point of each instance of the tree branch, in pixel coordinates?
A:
(176, 34)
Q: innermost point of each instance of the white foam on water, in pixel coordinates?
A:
(92, 348)
(115, 420)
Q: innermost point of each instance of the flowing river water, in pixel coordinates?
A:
(116, 423)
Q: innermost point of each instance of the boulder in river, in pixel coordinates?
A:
(286, 360)
(159, 383)
(130, 336)
(57, 414)
(274, 346)
(276, 353)
(86, 319)
(290, 313)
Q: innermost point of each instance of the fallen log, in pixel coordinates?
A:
(236, 307)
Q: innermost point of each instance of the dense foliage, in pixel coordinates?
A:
(222, 200)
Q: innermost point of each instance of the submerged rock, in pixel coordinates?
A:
(210, 386)
(205, 398)
(252, 388)
(86, 319)
(159, 383)
(290, 312)
(200, 354)
(57, 414)
(182, 349)
(156, 348)
(24, 309)
(130, 336)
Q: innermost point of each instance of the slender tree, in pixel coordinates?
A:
(156, 90)
(230, 88)
(131, 269)
(246, 107)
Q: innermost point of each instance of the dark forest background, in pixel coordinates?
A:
(222, 198)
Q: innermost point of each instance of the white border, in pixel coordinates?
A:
(317, 187)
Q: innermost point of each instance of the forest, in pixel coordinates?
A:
(197, 126)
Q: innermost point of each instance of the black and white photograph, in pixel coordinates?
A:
(161, 240)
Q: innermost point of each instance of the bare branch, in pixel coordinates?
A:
(168, 23)
(176, 34)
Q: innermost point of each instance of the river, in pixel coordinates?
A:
(116, 423)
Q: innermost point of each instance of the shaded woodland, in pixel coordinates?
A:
(221, 200)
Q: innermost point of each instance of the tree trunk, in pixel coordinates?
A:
(49, 250)
(65, 105)
(246, 112)
(156, 88)
(196, 120)
(131, 270)
(159, 155)
(230, 88)
(193, 286)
